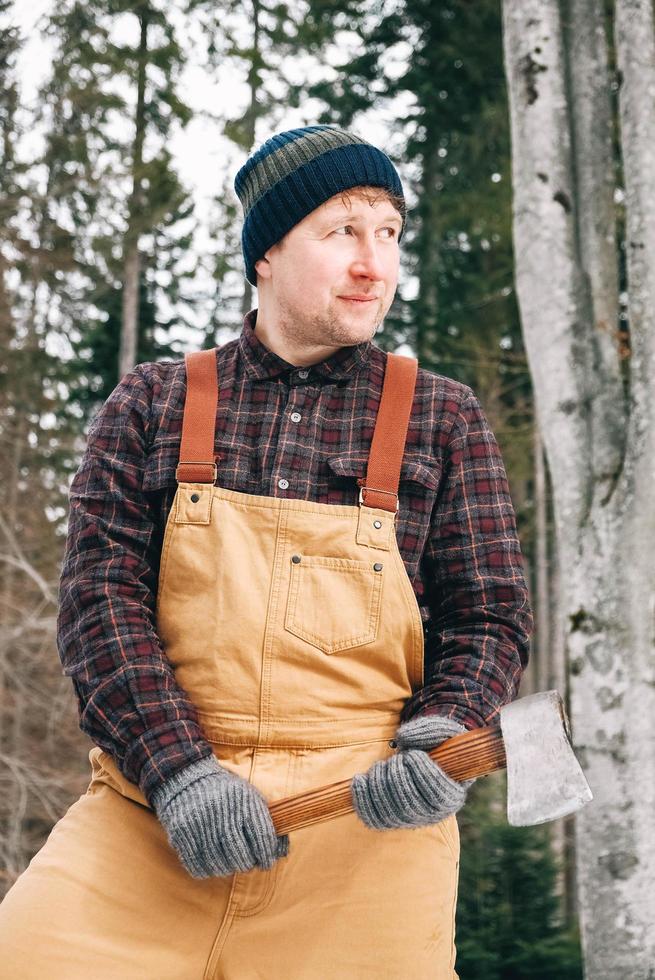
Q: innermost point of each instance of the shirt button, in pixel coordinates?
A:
(283, 484)
(296, 416)
(303, 374)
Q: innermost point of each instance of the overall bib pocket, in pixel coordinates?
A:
(334, 603)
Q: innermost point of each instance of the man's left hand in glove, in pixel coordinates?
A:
(410, 789)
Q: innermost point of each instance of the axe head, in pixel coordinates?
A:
(544, 778)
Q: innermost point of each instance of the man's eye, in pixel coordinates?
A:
(347, 229)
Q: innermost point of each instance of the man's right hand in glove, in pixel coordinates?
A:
(217, 822)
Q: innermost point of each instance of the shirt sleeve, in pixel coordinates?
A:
(129, 702)
(477, 635)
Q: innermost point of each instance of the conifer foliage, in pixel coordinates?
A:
(110, 106)
(509, 914)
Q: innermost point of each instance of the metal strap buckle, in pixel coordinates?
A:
(391, 494)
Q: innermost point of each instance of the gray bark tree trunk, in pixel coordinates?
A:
(548, 670)
(254, 82)
(542, 576)
(599, 440)
(131, 259)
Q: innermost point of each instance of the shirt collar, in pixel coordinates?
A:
(262, 363)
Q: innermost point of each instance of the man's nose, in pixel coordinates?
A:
(367, 261)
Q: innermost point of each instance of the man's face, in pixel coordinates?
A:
(332, 278)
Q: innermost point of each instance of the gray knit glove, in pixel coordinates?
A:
(410, 789)
(217, 822)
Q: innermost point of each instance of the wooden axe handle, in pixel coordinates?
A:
(473, 753)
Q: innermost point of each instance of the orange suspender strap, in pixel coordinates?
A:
(380, 487)
(197, 463)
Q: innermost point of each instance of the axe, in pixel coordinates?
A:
(532, 741)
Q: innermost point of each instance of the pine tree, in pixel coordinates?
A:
(441, 66)
(36, 442)
(109, 109)
(509, 925)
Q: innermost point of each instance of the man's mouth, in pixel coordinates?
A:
(359, 299)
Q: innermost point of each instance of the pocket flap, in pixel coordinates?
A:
(348, 464)
(427, 476)
(412, 468)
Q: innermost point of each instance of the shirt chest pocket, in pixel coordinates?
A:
(234, 465)
(419, 479)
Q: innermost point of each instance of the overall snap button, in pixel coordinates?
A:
(377, 523)
(295, 559)
(195, 497)
(377, 567)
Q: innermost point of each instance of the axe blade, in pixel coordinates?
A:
(544, 778)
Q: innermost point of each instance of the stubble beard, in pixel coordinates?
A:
(329, 329)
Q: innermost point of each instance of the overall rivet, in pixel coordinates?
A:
(377, 523)
(195, 497)
(377, 567)
(296, 559)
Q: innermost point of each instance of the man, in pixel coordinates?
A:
(290, 561)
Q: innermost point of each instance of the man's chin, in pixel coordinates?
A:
(349, 336)
(360, 325)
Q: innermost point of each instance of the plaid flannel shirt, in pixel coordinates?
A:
(455, 528)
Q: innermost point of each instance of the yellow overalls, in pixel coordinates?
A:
(294, 628)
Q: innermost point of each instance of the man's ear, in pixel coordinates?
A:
(263, 268)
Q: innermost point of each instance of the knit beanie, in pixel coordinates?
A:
(293, 173)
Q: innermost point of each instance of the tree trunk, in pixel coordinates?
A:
(131, 260)
(130, 324)
(632, 862)
(427, 301)
(542, 584)
(254, 81)
(600, 458)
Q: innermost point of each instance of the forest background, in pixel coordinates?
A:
(122, 123)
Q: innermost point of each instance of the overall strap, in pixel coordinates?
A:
(197, 463)
(380, 487)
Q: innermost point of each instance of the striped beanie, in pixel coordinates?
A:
(293, 173)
